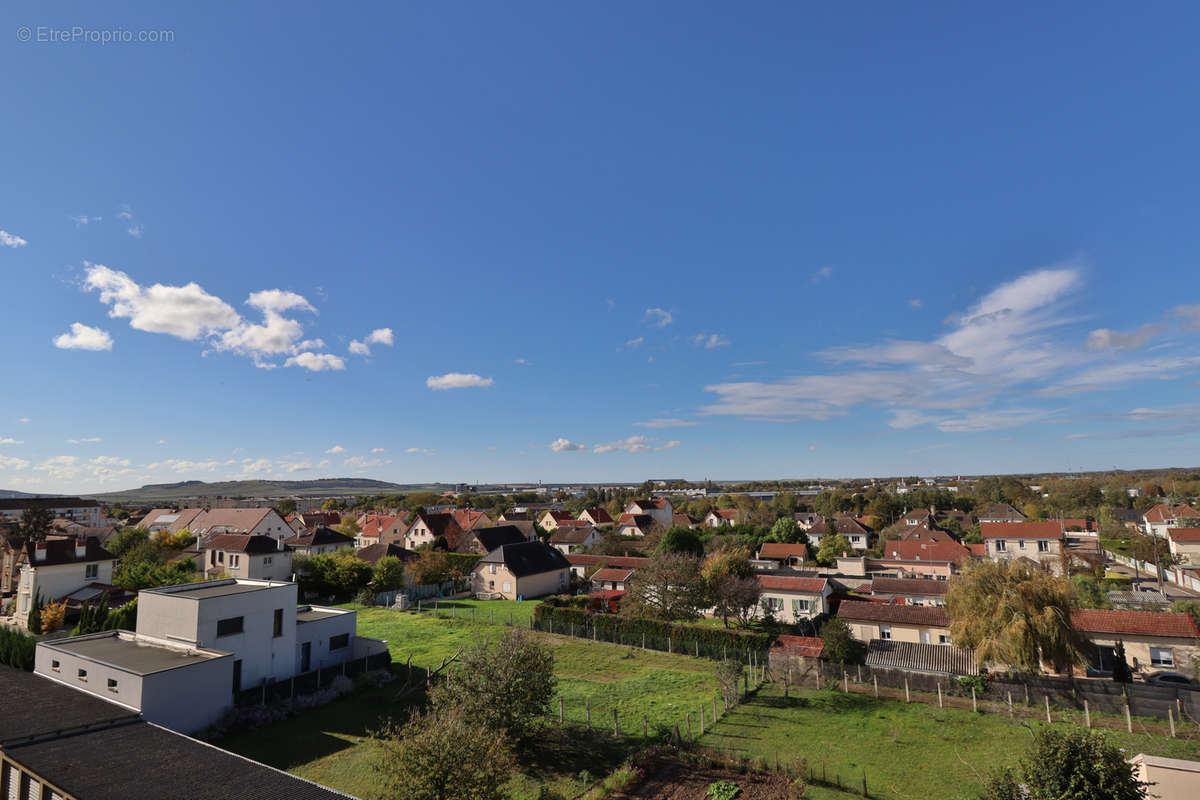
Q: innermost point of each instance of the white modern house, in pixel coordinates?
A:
(57, 567)
(198, 644)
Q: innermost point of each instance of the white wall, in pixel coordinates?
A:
(56, 581)
(319, 632)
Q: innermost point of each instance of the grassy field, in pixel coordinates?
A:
(908, 751)
(331, 745)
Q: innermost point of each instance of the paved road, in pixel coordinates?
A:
(1143, 582)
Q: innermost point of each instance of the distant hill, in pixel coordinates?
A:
(161, 492)
(9, 494)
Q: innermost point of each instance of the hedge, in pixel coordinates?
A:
(714, 642)
(463, 562)
(17, 649)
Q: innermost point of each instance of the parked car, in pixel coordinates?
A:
(1169, 679)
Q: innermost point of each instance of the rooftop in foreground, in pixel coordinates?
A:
(218, 588)
(139, 655)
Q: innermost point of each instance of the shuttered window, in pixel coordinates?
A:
(12, 777)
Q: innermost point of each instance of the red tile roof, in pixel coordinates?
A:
(781, 550)
(1144, 623)
(467, 519)
(612, 574)
(557, 516)
(1021, 530)
(809, 646)
(726, 513)
(1183, 534)
(909, 586)
(858, 610)
(1163, 512)
(242, 543)
(585, 560)
(914, 550)
(786, 583)
(977, 549)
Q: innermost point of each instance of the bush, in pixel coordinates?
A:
(17, 649)
(684, 638)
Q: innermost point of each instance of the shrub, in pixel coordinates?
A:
(723, 790)
(17, 649)
(53, 616)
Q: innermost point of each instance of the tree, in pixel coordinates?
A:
(34, 621)
(127, 539)
(35, 522)
(388, 574)
(840, 645)
(1121, 671)
(730, 583)
(332, 505)
(786, 530)
(136, 575)
(348, 527)
(285, 506)
(443, 756)
(505, 688)
(1013, 614)
(340, 574)
(832, 547)
(431, 568)
(1068, 764)
(53, 615)
(729, 676)
(682, 540)
(1089, 593)
(668, 588)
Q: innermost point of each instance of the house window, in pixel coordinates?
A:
(1021, 544)
(339, 641)
(1162, 657)
(268, 559)
(491, 569)
(229, 627)
(1001, 546)
(112, 684)
(943, 639)
(82, 673)
(1043, 546)
(54, 665)
(507, 586)
(801, 606)
(233, 560)
(91, 570)
(278, 622)
(885, 631)
(221, 558)
(773, 603)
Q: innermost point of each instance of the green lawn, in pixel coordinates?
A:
(331, 745)
(906, 750)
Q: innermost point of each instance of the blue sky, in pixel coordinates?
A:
(463, 241)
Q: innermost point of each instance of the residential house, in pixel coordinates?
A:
(239, 555)
(249, 521)
(85, 512)
(918, 516)
(1153, 640)
(56, 567)
(426, 528)
(854, 531)
(469, 519)
(516, 516)
(635, 524)
(1163, 516)
(374, 552)
(308, 521)
(783, 554)
(485, 540)
(611, 579)
(581, 563)
(1080, 526)
(1000, 512)
(659, 509)
(1185, 544)
(170, 520)
(917, 559)
(1129, 517)
(890, 621)
(910, 591)
(520, 571)
(721, 516)
(1039, 542)
(550, 519)
(679, 520)
(806, 519)
(1167, 778)
(923, 533)
(597, 517)
(12, 558)
(382, 529)
(204, 642)
(573, 538)
(794, 599)
(322, 540)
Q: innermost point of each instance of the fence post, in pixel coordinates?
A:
(668, 645)
(746, 682)
(875, 681)
(1087, 714)
(1046, 697)
(616, 727)
(560, 711)
(974, 702)
(939, 694)
(688, 716)
(643, 640)
(588, 709)
(845, 682)
(702, 720)
(1010, 705)
(906, 696)
(1171, 720)
(697, 643)
(491, 616)
(531, 622)
(1026, 685)
(860, 681)
(1128, 719)
(645, 728)
(818, 677)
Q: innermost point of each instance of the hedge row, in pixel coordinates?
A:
(17, 649)
(563, 613)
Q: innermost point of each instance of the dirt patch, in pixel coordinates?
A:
(669, 779)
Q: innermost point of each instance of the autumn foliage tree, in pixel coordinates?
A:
(668, 588)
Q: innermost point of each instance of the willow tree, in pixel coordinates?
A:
(1016, 615)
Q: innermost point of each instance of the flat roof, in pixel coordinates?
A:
(139, 656)
(221, 588)
(311, 614)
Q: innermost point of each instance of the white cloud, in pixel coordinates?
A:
(666, 422)
(316, 362)
(561, 445)
(84, 440)
(83, 337)
(363, 462)
(631, 444)
(425, 451)
(84, 220)
(24, 420)
(523, 362)
(337, 448)
(993, 420)
(1106, 339)
(1103, 377)
(899, 352)
(633, 344)
(13, 463)
(378, 450)
(357, 348)
(278, 300)
(11, 240)
(381, 336)
(10, 440)
(669, 445)
(1190, 316)
(823, 274)
(905, 418)
(710, 342)
(186, 312)
(657, 317)
(916, 302)
(110, 461)
(162, 441)
(457, 380)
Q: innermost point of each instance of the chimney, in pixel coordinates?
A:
(39, 551)
(80, 549)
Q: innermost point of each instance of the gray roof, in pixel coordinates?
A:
(311, 614)
(36, 707)
(939, 659)
(137, 657)
(142, 760)
(527, 558)
(221, 588)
